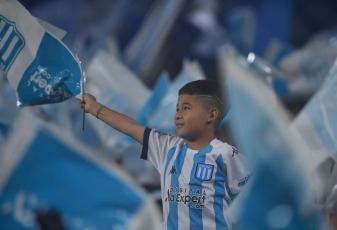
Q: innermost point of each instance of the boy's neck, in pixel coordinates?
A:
(200, 144)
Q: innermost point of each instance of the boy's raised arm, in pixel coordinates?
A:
(118, 121)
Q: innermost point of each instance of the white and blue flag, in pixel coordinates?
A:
(39, 67)
(280, 196)
(158, 93)
(319, 117)
(316, 125)
(116, 87)
(46, 171)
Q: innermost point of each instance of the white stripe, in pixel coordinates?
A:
(199, 172)
(204, 170)
(4, 39)
(209, 173)
(165, 185)
(184, 179)
(2, 25)
(9, 50)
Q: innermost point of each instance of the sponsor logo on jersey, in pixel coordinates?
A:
(204, 172)
(195, 198)
(244, 180)
(11, 42)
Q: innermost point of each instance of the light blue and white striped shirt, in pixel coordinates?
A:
(197, 185)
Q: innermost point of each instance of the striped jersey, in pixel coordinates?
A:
(196, 185)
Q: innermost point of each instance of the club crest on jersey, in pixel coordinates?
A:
(204, 172)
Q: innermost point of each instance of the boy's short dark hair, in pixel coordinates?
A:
(209, 93)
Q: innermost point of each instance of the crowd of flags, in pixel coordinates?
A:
(51, 168)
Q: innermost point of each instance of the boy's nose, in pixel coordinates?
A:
(178, 116)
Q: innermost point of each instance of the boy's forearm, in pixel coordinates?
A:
(118, 121)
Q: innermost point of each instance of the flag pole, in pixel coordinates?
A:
(82, 84)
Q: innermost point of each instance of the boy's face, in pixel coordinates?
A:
(190, 119)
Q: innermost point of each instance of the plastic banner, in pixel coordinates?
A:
(319, 117)
(158, 93)
(39, 67)
(116, 87)
(142, 52)
(280, 195)
(51, 177)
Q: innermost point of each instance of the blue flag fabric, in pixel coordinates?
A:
(39, 67)
(319, 116)
(280, 196)
(158, 93)
(49, 172)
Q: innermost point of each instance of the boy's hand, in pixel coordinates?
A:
(89, 103)
(118, 121)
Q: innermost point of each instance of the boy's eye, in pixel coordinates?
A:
(186, 108)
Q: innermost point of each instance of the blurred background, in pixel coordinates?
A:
(136, 54)
(191, 29)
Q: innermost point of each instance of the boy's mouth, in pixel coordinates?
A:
(179, 125)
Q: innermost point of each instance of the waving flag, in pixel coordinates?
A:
(50, 175)
(38, 66)
(280, 196)
(316, 124)
(158, 93)
(109, 79)
(319, 117)
(8, 110)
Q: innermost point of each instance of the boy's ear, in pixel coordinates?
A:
(213, 114)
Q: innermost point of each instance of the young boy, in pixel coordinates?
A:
(199, 174)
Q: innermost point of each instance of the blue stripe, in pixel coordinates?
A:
(195, 184)
(146, 136)
(4, 30)
(18, 45)
(220, 193)
(172, 219)
(168, 159)
(8, 42)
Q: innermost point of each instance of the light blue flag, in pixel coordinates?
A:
(116, 87)
(316, 124)
(305, 69)
(280, 196)
(45, 170)
(8, 109)
(143, 51)
(158, 93)
(39, 67)
(319, 117)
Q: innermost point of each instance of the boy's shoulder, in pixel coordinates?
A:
(165, 137)
(224, 148)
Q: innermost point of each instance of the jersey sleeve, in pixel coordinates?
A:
(156, 146)
(237, 169)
